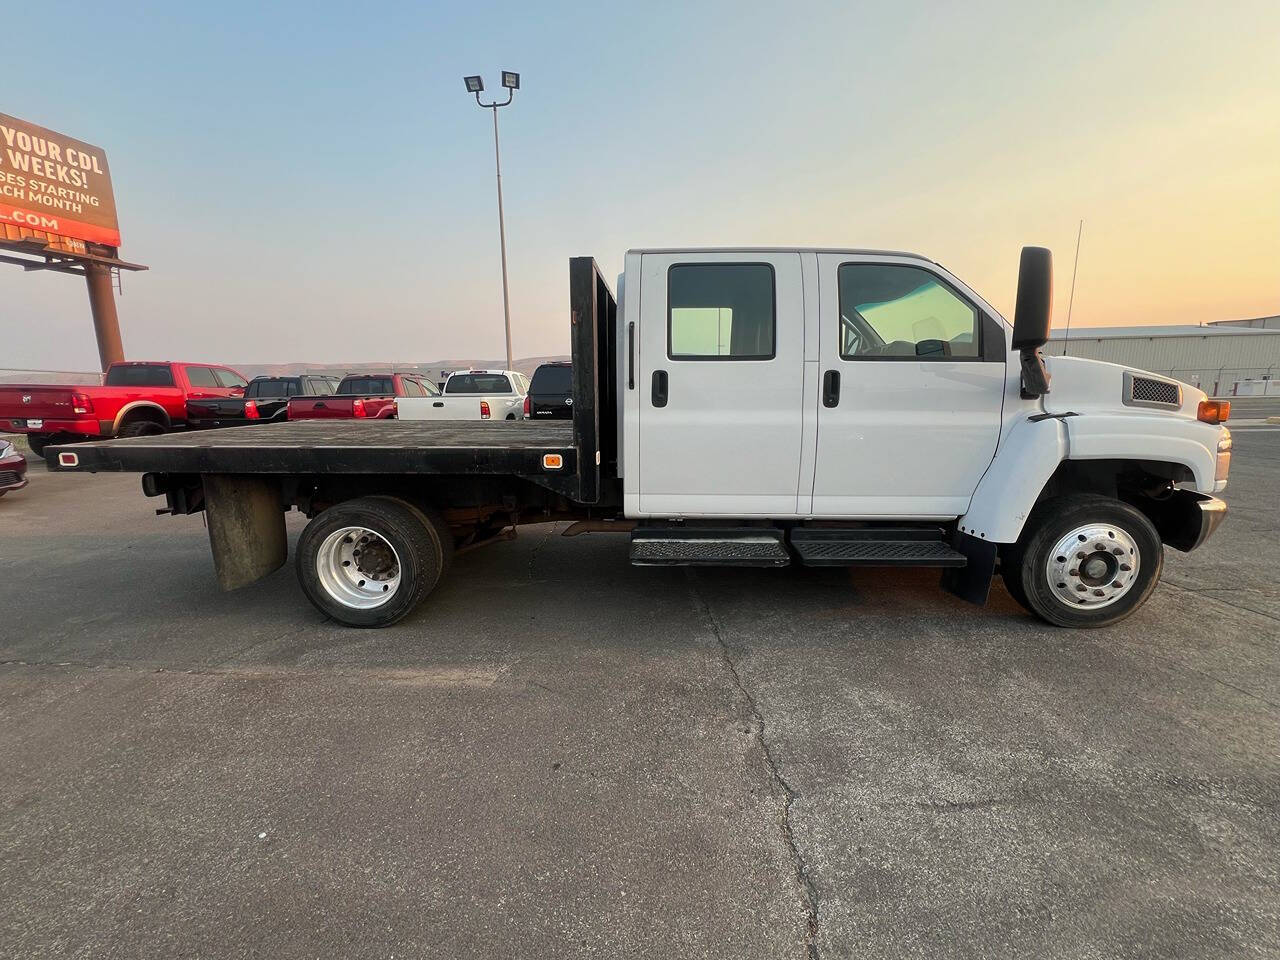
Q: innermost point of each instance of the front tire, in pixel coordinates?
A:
(368, 562)
(1084, 561)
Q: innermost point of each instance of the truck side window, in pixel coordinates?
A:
(721, 311)
(229, 378)
(202, 377)
(893, 311)
(139, 375)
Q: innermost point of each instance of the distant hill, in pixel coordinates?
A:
(437, 370)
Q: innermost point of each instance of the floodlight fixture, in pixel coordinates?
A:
(474, 84)
(510, 80)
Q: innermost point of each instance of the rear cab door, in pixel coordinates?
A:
(911, 392)
(203, 382)
(719, 385)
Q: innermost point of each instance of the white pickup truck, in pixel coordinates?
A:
(471, 395)
(747, 407)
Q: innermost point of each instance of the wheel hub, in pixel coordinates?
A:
(358, 568)
(1093, 565)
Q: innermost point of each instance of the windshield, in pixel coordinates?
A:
(552, 380)
(366, 387)
(478, 383)
(140, 375)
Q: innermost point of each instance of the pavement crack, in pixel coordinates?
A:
(789, 793)
(1209, 596)
(533, 557)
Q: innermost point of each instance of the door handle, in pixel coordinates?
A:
(437, 403)
(659, 388)
(321, 405)
(631, 356)
(831, 388)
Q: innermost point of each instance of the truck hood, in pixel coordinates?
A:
(1093, 386)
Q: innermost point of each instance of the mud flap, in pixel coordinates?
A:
(246, 527)
(971, 582)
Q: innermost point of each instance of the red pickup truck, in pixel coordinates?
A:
(363, 395)
(135, 399)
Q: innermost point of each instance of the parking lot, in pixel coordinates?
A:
(560, 755)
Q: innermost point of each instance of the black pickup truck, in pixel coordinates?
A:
(265, 400)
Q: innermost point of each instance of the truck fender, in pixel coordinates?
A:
(1189, 443)
(1011, 486)
(137, 405)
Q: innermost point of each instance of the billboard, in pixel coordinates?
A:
(52, 184)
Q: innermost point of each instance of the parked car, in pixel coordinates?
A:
(550, 392)
(136, 398)
(472, 395)
(265, 400)
(363, 395)
(13, 468)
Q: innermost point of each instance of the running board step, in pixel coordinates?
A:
(705, 547)
(874, 547)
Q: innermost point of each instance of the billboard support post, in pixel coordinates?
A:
(106, 322)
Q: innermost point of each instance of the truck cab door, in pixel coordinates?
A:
(719, 376)
(912, 383)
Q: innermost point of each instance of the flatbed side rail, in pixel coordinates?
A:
(593, 310)
(323, 447)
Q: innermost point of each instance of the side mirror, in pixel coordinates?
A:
(1031, 318)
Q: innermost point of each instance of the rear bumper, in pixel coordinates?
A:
(84, 426)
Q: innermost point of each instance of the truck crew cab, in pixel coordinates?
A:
(748, 407)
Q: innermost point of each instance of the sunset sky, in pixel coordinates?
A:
(311, 182)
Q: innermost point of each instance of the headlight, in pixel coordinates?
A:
(6, 449)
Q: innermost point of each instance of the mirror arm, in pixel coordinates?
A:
(1035, 375)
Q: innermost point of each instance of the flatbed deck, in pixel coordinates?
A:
(498, 447)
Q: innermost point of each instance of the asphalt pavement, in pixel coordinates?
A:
(562, 756)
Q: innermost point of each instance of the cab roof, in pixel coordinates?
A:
(859, 251)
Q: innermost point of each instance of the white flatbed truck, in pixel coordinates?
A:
(747, 407)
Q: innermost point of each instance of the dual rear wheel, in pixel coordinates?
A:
(368, 562)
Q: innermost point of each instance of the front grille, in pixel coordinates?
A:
(8, 477)
(1148, 391)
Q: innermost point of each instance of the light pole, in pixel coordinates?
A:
(475, 85)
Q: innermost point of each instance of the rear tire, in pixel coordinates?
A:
(38, 441)
(1084, 561)
(410, 550)
(140, 428)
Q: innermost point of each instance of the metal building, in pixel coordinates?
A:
(1213, 357)
(1267, 323)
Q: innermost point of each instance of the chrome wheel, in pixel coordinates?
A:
(358, 568)
(1093, 566)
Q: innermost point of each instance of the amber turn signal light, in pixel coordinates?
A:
(1213, 411)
